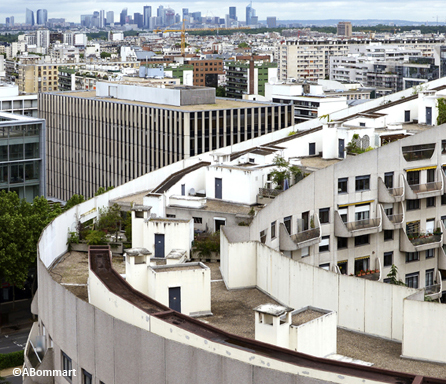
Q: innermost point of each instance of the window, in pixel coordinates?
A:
(430, 175)
(342, 265)
(443, 147)
(273, 230)
(412, 256)
(418, 152)
(362, 124)
(361, 264)
(413, 228)
(362, 183)
(388, 235)
(66, 365)
(287, 223)
(430, 202)
(413, 177)
(362, 240)
(324, 245)
(198, 220)
(429, 253)
(429, 277)
(324, 215)
(362, 212)
(86, 377)
(305, 251)
(325, 266)
(388, 179)
(170, 216)
(412, 204)
(412, 280)
(443, 199)
(342, 185)
(263, 236)
(388, 259)
(342, 242)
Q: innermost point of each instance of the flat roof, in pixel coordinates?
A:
(220, 103)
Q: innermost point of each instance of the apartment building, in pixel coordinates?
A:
(344, 28)
(35, 78)
(109, 138)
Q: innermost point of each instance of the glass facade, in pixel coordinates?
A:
(20, 162)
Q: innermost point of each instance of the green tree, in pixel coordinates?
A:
(441, 105)
(109, 220)
(105, 54)
(74, 200)
(243, 45)
(392, 276)
(21, 224)
(220, 91)
(102, 190)
(284, 170)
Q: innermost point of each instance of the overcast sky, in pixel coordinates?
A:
(297, 10)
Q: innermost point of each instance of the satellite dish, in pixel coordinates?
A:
(192, 192)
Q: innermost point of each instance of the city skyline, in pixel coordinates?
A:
(306, 10)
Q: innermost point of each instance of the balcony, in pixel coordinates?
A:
(301, 239)
(416, 242)
(390, 195)
(427, 189)
(356, 228)
(392, 222)
(37, 354)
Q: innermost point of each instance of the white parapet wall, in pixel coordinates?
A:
(423, 336)
(362, 305)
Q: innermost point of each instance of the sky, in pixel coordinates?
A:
(297, 10)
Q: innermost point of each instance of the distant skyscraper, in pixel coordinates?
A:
(138, 19)
(233, 13)
(185, 12)
(345, 28)
(29, 17)
(11, 19)
(271, 22)
(123, 16)
(8, 21)
(250, 12)
(42, 16)
(110, 17)
(102, 19)
(147, 14)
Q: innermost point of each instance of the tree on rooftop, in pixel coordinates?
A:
(284, 170)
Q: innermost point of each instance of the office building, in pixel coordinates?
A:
(250, 12)
(147, 134)
(206, 71)
(147, 14)
(123, 16)
(271, 22)
(344, 29)
(110, 17)
(29, 20)
(138, 19)
(233, 13)
(42, 16)
(22, 155)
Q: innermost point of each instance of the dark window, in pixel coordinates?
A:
(263, 236)
(388, 235)
(361, 264)
(324, 215)
(413, 177)
(387, 281)
(388, 179)
(412, 280)
(170, 216)
(412, 204)
(342, 265)
(273, 230)
(418, 152)
(429, 277)
(342, 185)
(430, 202)
(362, 124)
(388, 259)
(412, 256)
(443, 147)
(443, 199)
(198, 220)
(430, 175)
(66, 365)
(325, 266)
(86, 377)
(287, 223)
(362, 183)
(324, 245)
(429, 253)
(342, 242)
(361, 240)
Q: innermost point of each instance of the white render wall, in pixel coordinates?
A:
(195, 287)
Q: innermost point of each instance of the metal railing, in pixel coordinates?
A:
(396, 219)
(433, 186)
(362, 224)
(424, 239)
(308, 234)
(432, 289)
(269, 192)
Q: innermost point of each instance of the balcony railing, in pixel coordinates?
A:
(432, 289)
(306, 235)
(396, 219)
(362, 224)
(417, 239)
(269, 192)
(428, 187)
